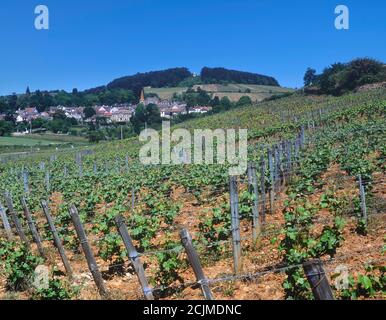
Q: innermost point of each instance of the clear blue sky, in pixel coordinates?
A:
(91, 42)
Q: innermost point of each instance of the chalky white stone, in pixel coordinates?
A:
(41, 277)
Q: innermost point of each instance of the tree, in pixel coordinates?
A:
(13, 101)
(89, 112)
(202, 98)
(28, 91)
(153, 114)
(23, 101)
(90, 100)
(101, 121)
(47, 101)
(6, 128)
(340, 78)
(95, 136)
(190, 82)
(327, 80)
(38, 123)
(4, 107)
(149, 115)
(190, 100)
(226, 103)
(63, 98)
(10, 117)
(37, 100)
(359, 72)
(59, 115)
(309, 77)
(195, 98)
(140, 113)
(58, 126)
(164, 78)
(244, 101)
(221, 75)
(215, 102)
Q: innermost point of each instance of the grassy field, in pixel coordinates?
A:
(13, 144)
(56, 138)
(22, 141)
(232, 91)
(165, 93)
(234, 87)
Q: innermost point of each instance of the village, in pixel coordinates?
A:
(117, 113)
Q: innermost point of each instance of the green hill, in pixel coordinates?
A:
(233, 91)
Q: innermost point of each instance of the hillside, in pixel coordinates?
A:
(311, 154)
(274, 114)
(233, 91)
(175, 76)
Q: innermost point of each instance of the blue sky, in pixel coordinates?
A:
(92, 42)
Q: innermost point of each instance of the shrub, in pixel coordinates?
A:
(19, 264)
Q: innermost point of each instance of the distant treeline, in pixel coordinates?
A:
(157, 79)
(218, 75)
(42, 100)
(340, 78)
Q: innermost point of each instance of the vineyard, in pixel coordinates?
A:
(107, 226)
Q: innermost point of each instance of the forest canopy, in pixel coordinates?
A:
(217, 75)
(157, 79)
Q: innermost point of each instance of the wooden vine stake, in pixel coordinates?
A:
(134, 257)
(271, 182)
(235, 219)
(363, 198)
(15, 219)
(194, 261)
(302, 137)
(127, 163)
(92, 265)
(25, 182)
(7, 226)
(317, 278)
(80, 167)
(32, 227)
(48, 180)
(252, 185)
(262, 186)
(57, 241)
(132, 198)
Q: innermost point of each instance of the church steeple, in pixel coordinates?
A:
(142, 99)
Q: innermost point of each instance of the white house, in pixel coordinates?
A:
(121, 116)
